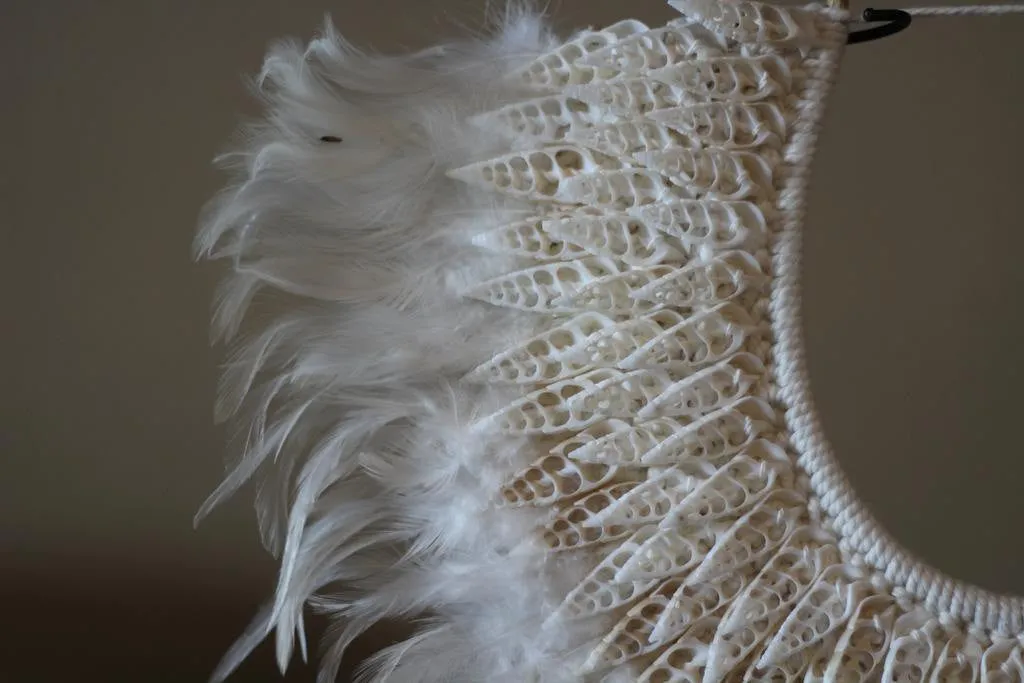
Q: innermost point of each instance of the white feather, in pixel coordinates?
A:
(371, 486)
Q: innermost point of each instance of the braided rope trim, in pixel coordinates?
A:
(862, 534)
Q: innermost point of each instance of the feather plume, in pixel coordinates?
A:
(371, 487)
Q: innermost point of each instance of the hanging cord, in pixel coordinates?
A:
(965, 10)
(892, 21)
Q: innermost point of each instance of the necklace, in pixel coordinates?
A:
(550, 349)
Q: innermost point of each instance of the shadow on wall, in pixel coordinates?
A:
(153, 631)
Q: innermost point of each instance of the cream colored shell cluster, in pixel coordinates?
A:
(665, 391)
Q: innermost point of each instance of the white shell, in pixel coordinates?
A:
(708, 225)
(573, 528)
(728, 125)
(755, 22)
(564, 66)
(754, 615)
(712, 438)
(616, 236)
(655, 49)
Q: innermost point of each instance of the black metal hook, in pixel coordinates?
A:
(895, 21)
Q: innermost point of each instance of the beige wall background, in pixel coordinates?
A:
(112, 110)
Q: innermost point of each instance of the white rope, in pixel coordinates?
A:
(912, 579)
(965, 10)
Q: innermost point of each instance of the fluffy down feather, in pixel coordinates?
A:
(350, 258)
